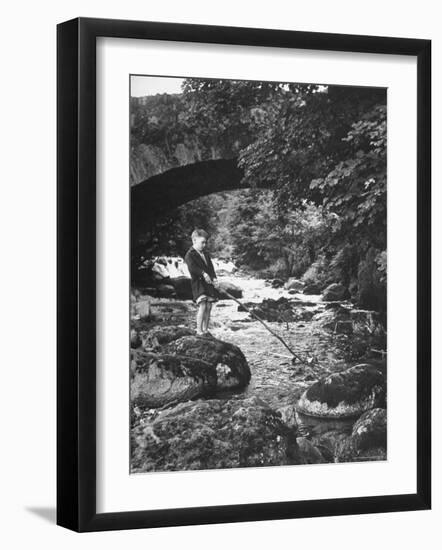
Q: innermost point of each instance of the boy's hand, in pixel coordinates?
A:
(216, 283)
(207, 278)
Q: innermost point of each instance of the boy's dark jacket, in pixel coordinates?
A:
(196, 268)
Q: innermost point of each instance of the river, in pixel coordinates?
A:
(275, 378)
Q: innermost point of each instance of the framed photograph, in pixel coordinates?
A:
(243, 274)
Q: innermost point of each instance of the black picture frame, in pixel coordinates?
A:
(76, 273)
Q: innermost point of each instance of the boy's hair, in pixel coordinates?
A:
(199, 233)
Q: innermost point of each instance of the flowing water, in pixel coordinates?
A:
(275, 378)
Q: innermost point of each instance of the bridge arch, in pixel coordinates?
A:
(168, 190)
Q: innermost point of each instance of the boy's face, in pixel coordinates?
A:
(199, 243)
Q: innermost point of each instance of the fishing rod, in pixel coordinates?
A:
(295, 355)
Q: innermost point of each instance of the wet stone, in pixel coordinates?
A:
(345, 394)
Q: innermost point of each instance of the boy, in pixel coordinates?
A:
(203, 279)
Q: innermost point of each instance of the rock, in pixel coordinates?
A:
(209, 434)
(249, 305)
(277, 283)
(183, 288)
(160, 277)
(366, 322)
(345, 394)
(335, 293)
(294, 284)
(166, 291)
(164, 334)
(309, 453)
(368, 440)
(274, 310)
(304, 315)
(311, 288)
(288, 415)
(329, 318)
(231, 288)
(160, 379)
(369, 431)
(329, 443)
(325, 319)
(232, 369)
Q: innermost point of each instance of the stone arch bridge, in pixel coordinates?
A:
(163, 192)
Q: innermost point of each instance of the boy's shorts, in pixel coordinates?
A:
(205, 298)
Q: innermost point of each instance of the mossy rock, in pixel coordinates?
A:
(345, 394)
(335, 293)
(311, 288)
(310, 454)
(368, 440)
(229, 362)
(160, 379)
(294, 284)
(211, 434)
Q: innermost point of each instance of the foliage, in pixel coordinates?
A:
(225, 114)
(320, 151)
(371, 286)
(262, 236)
(157, 120)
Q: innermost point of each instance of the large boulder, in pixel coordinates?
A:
(183, 288)
(231, 288)
(294, 284)
(232, 369)
(159, 379)
(335, 293)
(345, 394)
(368, 440)
(214, 433)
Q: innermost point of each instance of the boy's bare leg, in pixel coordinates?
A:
(200, 317)
(206, 318)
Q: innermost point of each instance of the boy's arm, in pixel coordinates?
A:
(194, 269)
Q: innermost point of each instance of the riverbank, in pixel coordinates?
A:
(275, 379)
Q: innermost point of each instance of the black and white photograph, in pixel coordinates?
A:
(258, 292)
(220, 247)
